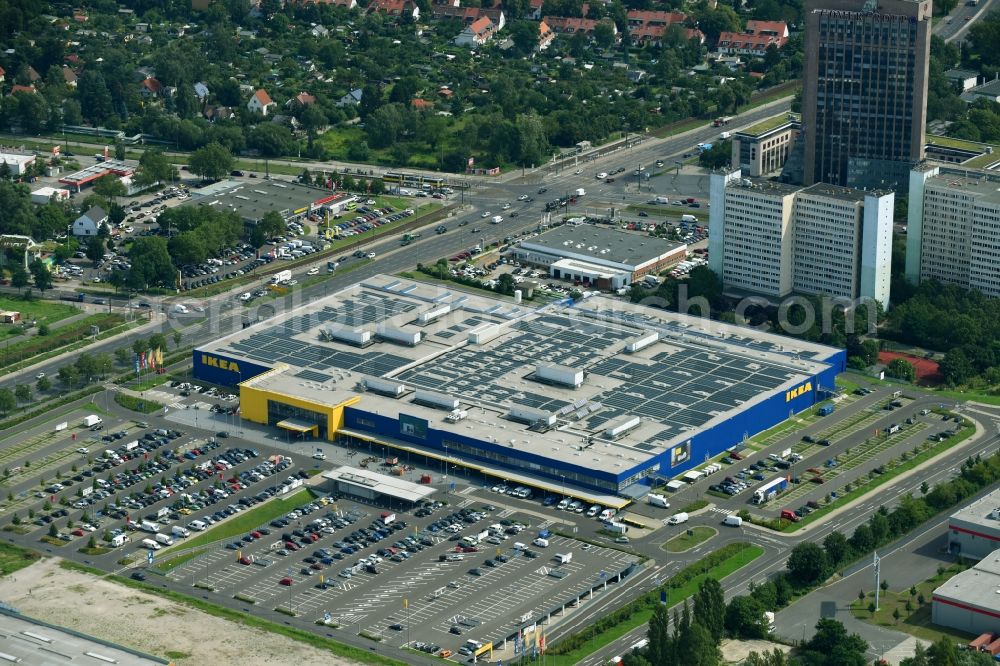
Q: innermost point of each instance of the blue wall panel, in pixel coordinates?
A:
(221, 369)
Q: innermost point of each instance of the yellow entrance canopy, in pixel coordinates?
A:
(296, 426)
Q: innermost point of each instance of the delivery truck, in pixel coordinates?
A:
(563, 558)
(119, 540)
(733, 521)
(147, 526)
(164, 539)
(91, 420)
(658, 500)
(497, 219)
(769, 490)
(678, 518)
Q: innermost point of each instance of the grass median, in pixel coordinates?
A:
(246, 521)
(689, 539)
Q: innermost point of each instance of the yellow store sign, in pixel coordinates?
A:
(797, 391)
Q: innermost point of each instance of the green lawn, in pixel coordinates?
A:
(141, 405)
(41, 312)
(242, 523)
(917, 619)
(14, 557)
(684, 541)
(75, 333)
(175, 562)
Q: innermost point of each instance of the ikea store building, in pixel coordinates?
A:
(591, 398)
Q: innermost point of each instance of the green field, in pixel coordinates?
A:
(175, 562)
(242, 523)
(684, 541)
(13, 558)
(75, 333)
(41, 312)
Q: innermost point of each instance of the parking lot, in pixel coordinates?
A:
(823, 456)
(357, 571)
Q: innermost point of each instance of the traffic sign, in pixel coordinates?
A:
(327, 617)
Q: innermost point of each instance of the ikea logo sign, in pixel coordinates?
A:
(797, 391)
(220, 363)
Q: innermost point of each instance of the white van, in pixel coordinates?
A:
(519, 546)
(608, 514)
(196, 525)
(150, 544)
(541, 543)
(593, 510)
(563, 503)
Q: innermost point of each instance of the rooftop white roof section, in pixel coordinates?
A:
(384, 484)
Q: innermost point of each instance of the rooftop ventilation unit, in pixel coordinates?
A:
(642, 342)
(436, 400)
(530, 415)
(434, 313)
(388, 387)
(563, 375)
(395, 334)
(357, 337)
(616, 431)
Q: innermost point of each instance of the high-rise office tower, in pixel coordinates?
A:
(864, 100)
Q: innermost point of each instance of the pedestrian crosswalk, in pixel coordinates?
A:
(724, 512)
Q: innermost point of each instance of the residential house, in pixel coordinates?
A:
(69, 76)
(444, 3)
(3, 75)
(88, 223)
(396, 8)
(150, 87)
(260, 102)
(476, 33)
(319, 31)
(290, 122)
(33, 75)
(349, 4)
(965, 79)
(214, 113)
(564, 25)
(17, 88)
(545, 36)
(303, 99)
(464, 14)
(989, 90)
(352, 98)
(649, 27)
(755, 40)
(535, 7)
(201, 91)
(418, 104)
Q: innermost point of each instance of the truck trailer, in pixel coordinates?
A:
(658, 500)
(91, 420)
(769, 490)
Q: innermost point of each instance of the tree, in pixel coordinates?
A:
(719, 155)
(956, 367)
(7, 400)
(745, 618)
(525, 37)
(154, 167)
(838, 549)
(177, 336)
(211, 162)
(110, 188)
(95, 250)
(123, 356)
(660, 644)
(22, 392)
(710, 608)
(272, 224)
(604, 33)
(832, 646)
(808, 564)
(900, 368)
(19, 278)
(43, 384)
(40, 275)
(68, 376)
(272, 140)
(53, 530)
(151, 263)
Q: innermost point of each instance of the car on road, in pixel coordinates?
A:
(40, 375)
(138, 575)
(485, 214)
(602, 175)
(523, 197)
(313, 271)
(370, 255)
(543, 190)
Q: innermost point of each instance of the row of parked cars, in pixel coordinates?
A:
(368, 217)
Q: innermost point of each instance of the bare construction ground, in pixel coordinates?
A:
(146, 622)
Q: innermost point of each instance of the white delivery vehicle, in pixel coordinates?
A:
(497, 219)
(179, 531)
(150, 544)
(541, 543)
(91, 420)
(563, 558)
(678, 518)
(164, 539)
(658, 500)
(733, 521)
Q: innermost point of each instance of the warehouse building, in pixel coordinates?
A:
(974, 531)
(253, 200)
(590, 397)
(368, 485)
(17, 163)
(970, 600)
(600, 256)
